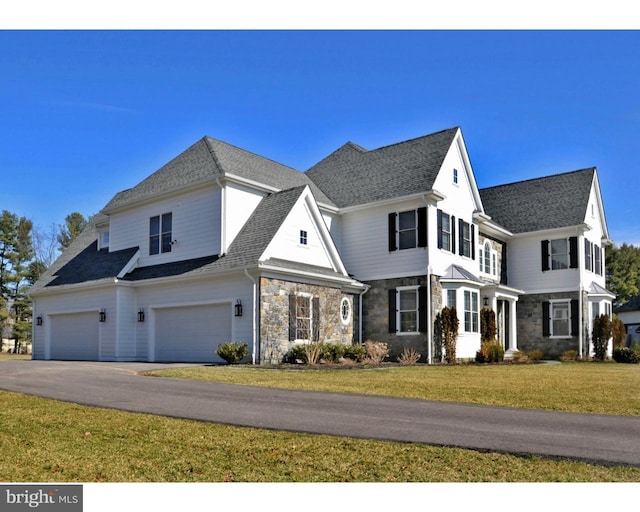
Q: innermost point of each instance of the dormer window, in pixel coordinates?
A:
(160, 228)
(104, 239)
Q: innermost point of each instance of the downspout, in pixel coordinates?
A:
(580, 319)
(254, 331)
(429, 272)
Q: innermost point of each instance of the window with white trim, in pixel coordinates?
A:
(452, 299)
(160, 228)
(445, 231)
(407, 230)
(408, 310)
(488, 258)
(455, 176)
(303, 237)
(471, 312)
(559, 253)
(560, 318)
(345, 310)
(303, 317)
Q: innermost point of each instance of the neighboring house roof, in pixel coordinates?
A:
(353, 175)
(550, 202)
(632, 305)
(210, 159)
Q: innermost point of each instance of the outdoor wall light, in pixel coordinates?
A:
(102, 315)
(238, 309)
(486, 301)
(141, 315)
(39, 320)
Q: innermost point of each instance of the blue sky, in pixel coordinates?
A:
(86, 114)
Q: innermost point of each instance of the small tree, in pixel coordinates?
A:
(450, 325)
(488, 328)
(619, 332)
(601, 335)
(438, 338)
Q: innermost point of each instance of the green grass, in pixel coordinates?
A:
(7, 356)
(605, 388)
(49, 441)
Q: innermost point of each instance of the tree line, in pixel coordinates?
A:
(26, 251)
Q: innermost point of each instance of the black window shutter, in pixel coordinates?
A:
(315, 315)
(422, 227)
(546, 311)
(453, 234)
(292, 317)
(439, 229)
(392, 232)
(573, 252)
(473, 241)
(423, 305)
(545, 255)
(575, 317)
(461, 237)
(392, 311)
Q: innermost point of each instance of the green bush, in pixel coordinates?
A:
(296, 355)
(355, 352)
(627, 355)
(490, 352)
(333, 352)
(233, 352)
(600, 336)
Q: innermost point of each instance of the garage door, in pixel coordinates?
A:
(75, 337)
(191, 334)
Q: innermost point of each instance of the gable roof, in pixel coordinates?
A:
(207, 160)
(550, 202)
(632, 305)
(353, 176)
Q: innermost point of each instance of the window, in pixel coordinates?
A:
(104, 239)
(160, 233)
(446, 233)
(466, 239)
(451, 299)
(588, 255)
(560, 254)
(455, 176)
(408, 309)
(345, 310)
(560, 320)
(408, 229)
(597, 260)
(471, 311)
(304, 317)
(303, 237)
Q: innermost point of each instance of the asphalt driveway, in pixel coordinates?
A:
(588, 437)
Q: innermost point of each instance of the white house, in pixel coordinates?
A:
(224, 245)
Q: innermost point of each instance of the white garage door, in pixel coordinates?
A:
(191, 334)
(75, 337)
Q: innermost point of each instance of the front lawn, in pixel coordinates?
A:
(49, 441)
(605, 388)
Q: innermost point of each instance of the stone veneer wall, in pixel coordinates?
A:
(274, 316)
(530, 326)
(375, 313)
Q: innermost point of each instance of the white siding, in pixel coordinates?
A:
(365, 252)
(334, 225)
(240, 203)
(196, 226)
(286, 244)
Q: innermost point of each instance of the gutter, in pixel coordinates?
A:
(254, 331)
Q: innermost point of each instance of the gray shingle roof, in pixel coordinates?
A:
(207, 160)
(352, 175)
(174, 268)
(632, 305)
(550, 202)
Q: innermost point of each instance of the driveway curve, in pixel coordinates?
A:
(593, 438)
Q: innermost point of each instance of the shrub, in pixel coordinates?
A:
(313, 352)
(450, 325)
(601, 334)
(488, 328)
(438, 338)
(490, 352)
(333, 352)
(377, 352)
(535, 355)
(295, 355)
(627, 354)
(569, 355)
(355, 352)
(619, 332)
(409, 356)
(233, 352)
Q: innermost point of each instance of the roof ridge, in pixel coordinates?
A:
(539, 178)
(455, 128)
(250, 153)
